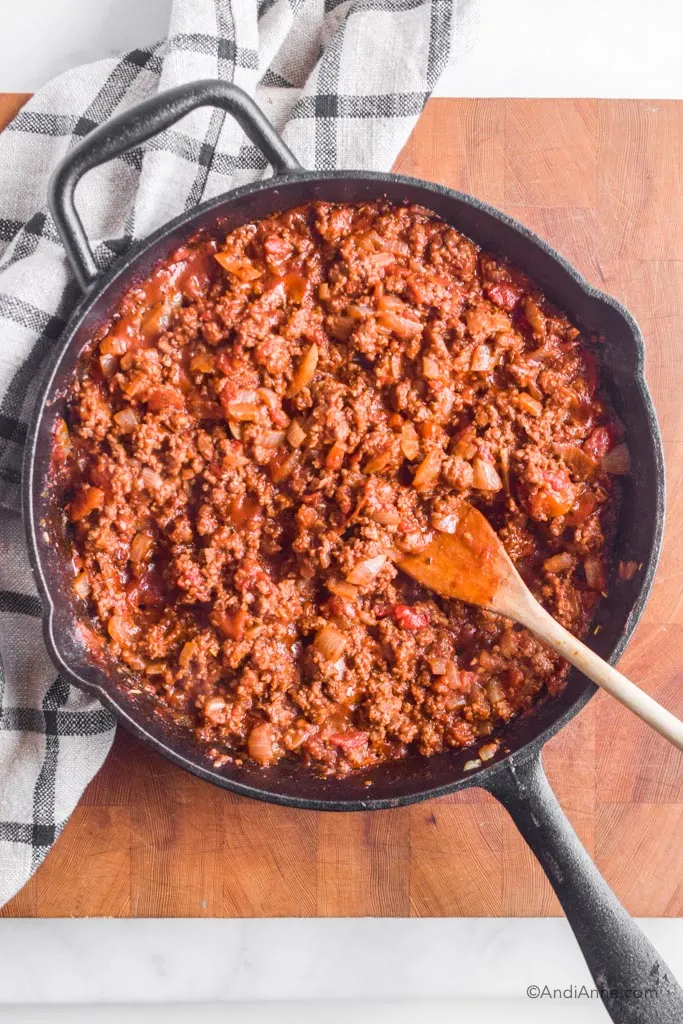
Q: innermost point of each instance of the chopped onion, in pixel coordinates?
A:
(366, 570)
(558, 563)
(324, 291)
(334, 459)
(330, 642)
(438, 666)
(578, 462)
(340, 327)
(504, 460)
(108, 365)
(485, 477)
(381, 259)
(241, 269)
(296, 435)
(271, 400)
(627, 570)
(427, 473)
(494, 691)
(401, 326)
(305, 371)
(357, 312)
(385, 516)
(126, 420)
(482, 359)
(141, 546)
(391, 302)
(81, 585)
(62, 437)
(214, 710)
(202, 362)
(430, 368)
(488, 751)
(157, 320)
(187, 653)
(235, 430)
(529, 404)
(155, 668)
(119, 629)
(273, 438)
(447, 523)
(151, 480)
(260, 744)
(280, 468)
(342, 589)
(452, 675)
(113, 345)
(379, 462)
(410, 442)
(243, 409)
(617, 461)
(595, 577)
(469, 765)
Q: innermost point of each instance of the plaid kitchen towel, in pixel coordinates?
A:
(344, 81)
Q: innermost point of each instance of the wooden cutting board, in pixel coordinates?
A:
(602, 181)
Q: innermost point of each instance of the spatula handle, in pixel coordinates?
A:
(546, 628)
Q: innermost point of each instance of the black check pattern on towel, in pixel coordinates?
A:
(343, 81)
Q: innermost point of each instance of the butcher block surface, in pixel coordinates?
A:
(602, 180)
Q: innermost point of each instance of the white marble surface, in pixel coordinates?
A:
(305, 970)
(525, 47)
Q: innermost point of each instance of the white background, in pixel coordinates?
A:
(439, 970)
(609, 48)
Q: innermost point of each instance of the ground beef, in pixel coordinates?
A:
(272, 414)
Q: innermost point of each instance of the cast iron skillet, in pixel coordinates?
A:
(618, 955)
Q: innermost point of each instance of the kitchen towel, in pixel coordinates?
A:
(344, 82)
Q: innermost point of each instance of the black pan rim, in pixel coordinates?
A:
(122, 266)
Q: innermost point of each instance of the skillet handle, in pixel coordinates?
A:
(132, 128)
(618, 955)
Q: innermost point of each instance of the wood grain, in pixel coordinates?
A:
(601, 180)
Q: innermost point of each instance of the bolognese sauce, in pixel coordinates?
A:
(272, 414)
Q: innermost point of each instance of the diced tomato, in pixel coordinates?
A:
(598, 442)
(164, 397)
(504, 294)
(585, 506)
(86, 501)
(349, 739)
(244, 509)
(408, 617)
(148, 591)
(554, 496)
(277, 248)
(241, 375)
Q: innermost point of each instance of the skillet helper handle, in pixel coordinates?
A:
(133, 128)
(636, 985)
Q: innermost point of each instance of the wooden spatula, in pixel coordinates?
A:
(472, 565)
